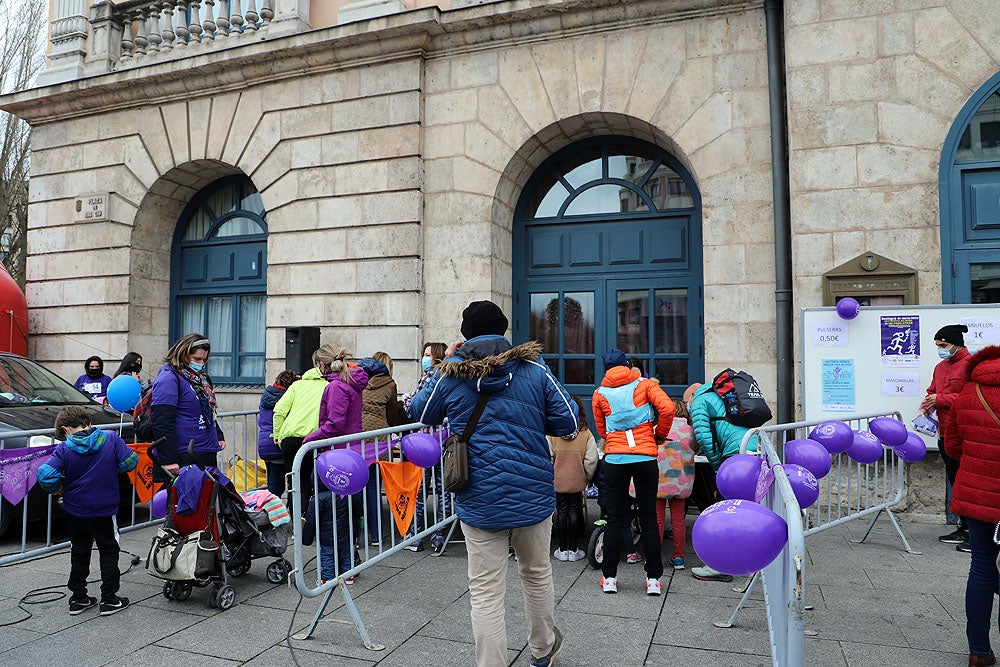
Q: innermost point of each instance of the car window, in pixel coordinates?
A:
(24, 381)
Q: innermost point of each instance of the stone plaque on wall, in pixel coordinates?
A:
(92, 207)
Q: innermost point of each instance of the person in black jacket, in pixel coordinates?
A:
(335, 556)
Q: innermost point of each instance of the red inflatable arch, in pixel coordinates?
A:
(13, 316)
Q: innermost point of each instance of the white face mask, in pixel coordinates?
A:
(426, 363)
(945, 352)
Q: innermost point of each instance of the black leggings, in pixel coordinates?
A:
(289, 448)
(569, 520)
(646, 475)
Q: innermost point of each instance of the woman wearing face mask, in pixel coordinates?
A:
(94, 382)
(433, 354)
(183, 408)
(947, 383)
(131, 365)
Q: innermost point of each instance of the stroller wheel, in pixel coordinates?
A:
(182, 591)
(277, 572)
(168, 590)
(238, 567)
(595, 548)
(213, 596)
(225, 597)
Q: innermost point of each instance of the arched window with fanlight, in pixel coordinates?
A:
(219, 278)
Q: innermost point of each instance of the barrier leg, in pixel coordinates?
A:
(307, 633)
(743, 601)
(895, 524)
(351, 609)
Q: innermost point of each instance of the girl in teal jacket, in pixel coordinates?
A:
(717, 438)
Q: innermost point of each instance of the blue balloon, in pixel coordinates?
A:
(123, 393)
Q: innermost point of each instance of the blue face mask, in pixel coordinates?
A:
(945, 353)
(196, 367)
(426, 363)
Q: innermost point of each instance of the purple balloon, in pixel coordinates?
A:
(866, 448)
(342, 471)
(443, 433)
(738, 536)
(848, 308)
(158, 505)
(422, 449)
(737, 477)
(890, 431)
(804, 484)
(810, 455)
(913, 449)
(834, 434)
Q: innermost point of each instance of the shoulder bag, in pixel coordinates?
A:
(455, 455)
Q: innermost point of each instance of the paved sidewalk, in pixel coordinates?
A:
(874, 605)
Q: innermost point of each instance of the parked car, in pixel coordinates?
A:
(30, 398)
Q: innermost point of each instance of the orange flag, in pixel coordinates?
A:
(142, 476)
(402, 482)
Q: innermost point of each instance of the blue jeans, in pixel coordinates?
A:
(339, 558)
(373, 504)
(982, 585)
(275, 476)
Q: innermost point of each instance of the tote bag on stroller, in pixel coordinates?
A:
(177, 557)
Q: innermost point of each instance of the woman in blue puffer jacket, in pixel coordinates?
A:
(267, 448)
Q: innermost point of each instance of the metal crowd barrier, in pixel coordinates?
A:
(389, 542)
(850, 491)
(240, 429)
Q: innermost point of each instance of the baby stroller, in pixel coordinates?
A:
(248, 534)
(186, 552)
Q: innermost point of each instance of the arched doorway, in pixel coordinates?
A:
(607, 253)
(219, 278)
(970, 201)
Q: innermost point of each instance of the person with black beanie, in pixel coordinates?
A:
(947, 383)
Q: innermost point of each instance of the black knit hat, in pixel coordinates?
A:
(952, 333)
(482, 318)
(614, 357)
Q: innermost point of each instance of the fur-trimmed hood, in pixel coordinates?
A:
(984, 367)
(484, 356)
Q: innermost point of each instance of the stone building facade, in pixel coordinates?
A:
(395, 157)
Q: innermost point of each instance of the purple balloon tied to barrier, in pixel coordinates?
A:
(422, 449)
(834, 434)
(443, 434)
(913, 449)
(738, 536)
(866, 448)
(890, 431)
(848, 308)
(342, 471)
(158, 505)
(123, 393)
(810, 455)
(804, 484)
(737, 477)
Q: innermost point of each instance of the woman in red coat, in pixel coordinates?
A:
(972, 436)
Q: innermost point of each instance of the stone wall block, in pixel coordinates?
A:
(404, 173)
(265, 135)
(283, 191)
(402, 308)
(860, 82)
(686, 95)
(847, 245)
(175, 119)
(199, 115)
(895, 34)
(945, 42)
(475, 69)
(389, 275)
(497, 112)
(361, 178)
(866, 209)
(907, 125)
(390, 77)
(712, 120)
(437, 75)
(139, 162)
(154, 137)
(832, 41)
(471, 176)
(339, 211)
(807, 86)
(620, 72)
(520, 78)
(887, 165)
(455, 106)
(397, 342)
(305, 153)
(305, 121)
(248, 113)
(751, 108)
(482, 146)
(275, 165)
(833, 126)
(280, 95)
(852, 9)
(439, 176)
(588, 57)
(720, 156)
(982, 20)
(404, 108)
(319, 182)
(812, 254)
(925, 86)
(220, 123)
(390, 142)
(390, 207)
(824, 168)
(558, 79)
(333, 86)
(323, 278)
(341, 148)
(707, 37)
(444, 141)
(745, 69)
(726, 262)
(451, 272)
(297, 309)
(658, 67)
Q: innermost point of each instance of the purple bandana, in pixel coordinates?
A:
(17, 470)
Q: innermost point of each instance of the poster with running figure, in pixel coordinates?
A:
(900, 341)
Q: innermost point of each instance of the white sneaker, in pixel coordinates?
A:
(558, 554)
(609, 584)
(654, 587)
(573, 556)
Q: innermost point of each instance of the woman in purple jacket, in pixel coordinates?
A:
(340, 414)
(267, 448)
(183, 409)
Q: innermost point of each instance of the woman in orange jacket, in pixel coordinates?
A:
(626, 407)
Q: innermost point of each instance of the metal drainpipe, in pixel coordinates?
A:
(774, 20)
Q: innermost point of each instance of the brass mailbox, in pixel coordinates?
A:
(873, 280)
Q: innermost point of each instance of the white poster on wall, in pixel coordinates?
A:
(830, 334)
(901, 383)
(982, 330)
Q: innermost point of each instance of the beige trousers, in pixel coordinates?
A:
(487, 551)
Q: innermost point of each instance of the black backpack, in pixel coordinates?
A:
(142, 417)
(744, 401)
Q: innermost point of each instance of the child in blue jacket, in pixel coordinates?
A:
(85, 470)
